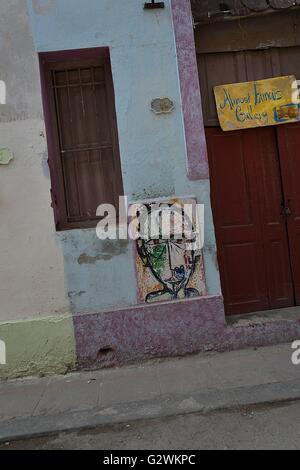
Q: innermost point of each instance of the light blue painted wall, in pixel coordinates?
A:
(153, 151)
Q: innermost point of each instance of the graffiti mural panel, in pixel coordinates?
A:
(169, 267)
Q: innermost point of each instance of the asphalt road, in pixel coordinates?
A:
(260, 427)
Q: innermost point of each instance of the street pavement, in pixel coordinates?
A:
(272, 427)
(206, 390)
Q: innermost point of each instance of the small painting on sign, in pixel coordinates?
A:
(258, 104)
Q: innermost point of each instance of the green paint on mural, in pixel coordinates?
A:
(38, 347)
(158, 257)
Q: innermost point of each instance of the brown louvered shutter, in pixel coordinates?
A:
(87, 169)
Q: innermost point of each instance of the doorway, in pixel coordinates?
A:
(255, 202)
(255, 189)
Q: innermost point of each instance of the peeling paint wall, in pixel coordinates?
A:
(31, 259)
(99, 274)
(46, 277)
(38, 346)
(153, 147)
(50, 282)
(35, 322)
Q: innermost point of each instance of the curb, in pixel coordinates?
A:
(166, 406)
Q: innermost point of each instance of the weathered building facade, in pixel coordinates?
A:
(80, 79)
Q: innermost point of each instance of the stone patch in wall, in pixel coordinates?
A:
(162, 106)
(6, 156)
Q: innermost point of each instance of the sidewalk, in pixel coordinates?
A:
(156, 389)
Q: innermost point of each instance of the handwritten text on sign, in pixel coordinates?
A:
(257, 104)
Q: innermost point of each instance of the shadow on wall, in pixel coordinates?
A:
(99, 274)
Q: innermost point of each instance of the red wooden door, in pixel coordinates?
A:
(289, 145)
(246, 191)
(253, 171)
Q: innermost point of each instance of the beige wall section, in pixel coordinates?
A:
(31, 260)
(38, 347)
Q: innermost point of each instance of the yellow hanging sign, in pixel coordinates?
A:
(257, 104)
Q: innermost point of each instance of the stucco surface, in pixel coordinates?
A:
(31, 261)
(153, 148)
(169, 329)
(142, 332)
(43, 273)
(197, 162)
(99, 274)
(46, 273)
(18, 66)
(31, 268)
(38, 347)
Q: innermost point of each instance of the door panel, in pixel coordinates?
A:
(273, 226)
(244, 289)
(289, 145)
(237, 223)
(215, 69)
(251, 232)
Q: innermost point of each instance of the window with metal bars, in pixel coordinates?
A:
(82, 136)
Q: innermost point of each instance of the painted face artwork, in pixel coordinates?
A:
(167, 268)
(172, 265)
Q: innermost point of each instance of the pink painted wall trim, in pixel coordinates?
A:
(197, 163)
(190, 326)
(145, 331)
